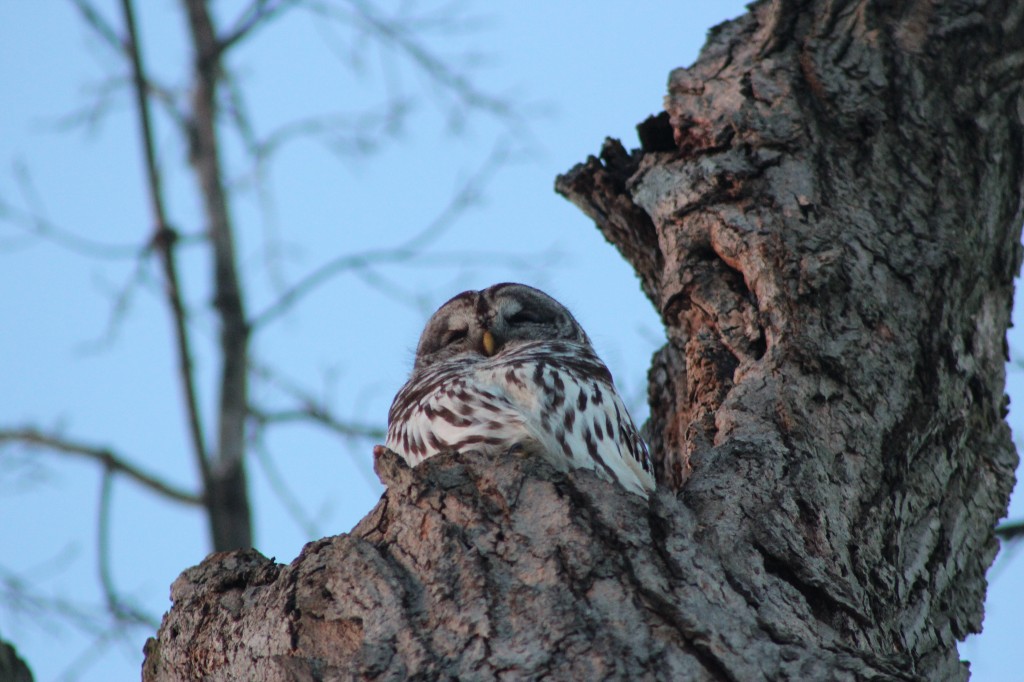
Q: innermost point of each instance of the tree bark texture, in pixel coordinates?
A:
(12, 668)
(827, 218)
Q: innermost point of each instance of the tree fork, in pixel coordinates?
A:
(828, 220)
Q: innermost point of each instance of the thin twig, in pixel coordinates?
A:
(91, 653)
(227, 499)
(310, 412)
(319, 415)
(238, 114)
(116, 605)
(99, 100)
(109, 460)
(310, 409)
(252, 17)
(465, 197)
(416, 300)
(288, 499)
(19, 596)
(342, 133)
(163, 240)
(120, 307)
(95, 19)
(401, 36)
(35, 221)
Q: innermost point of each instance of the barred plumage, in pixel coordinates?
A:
(510, 366)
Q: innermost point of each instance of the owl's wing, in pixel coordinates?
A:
(597, 432)
(555, 400)
(454, 413)
(630, 447)
(577, 416)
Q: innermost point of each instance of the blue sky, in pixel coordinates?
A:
(577, 71)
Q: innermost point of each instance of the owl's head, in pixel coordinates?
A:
(494, 320)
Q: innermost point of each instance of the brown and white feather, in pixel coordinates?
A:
(543, 389)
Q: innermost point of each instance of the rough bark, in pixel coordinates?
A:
(828, 219)
(12, 668)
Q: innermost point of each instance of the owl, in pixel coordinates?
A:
(510, 367)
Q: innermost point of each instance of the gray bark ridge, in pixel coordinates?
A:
(838, 214)
(475, 567)
(827, 217)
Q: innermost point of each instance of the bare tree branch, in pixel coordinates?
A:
(18, 596)
(284, 494)
(342, 133)
(36, 223)
(122, 299)
(226, 489)
(102, 627)
(417, 300)
(310, 412)
(124, 48)
(238, 113)
(109, 460)
(402, 36)
(163, 240)
(100, 99)
(466, 196)
(116, 604)
(189, 107)
(310, 409)
(103, 28)
(251, 18)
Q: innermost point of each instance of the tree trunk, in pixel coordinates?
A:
(827, 218)
(12, 668)
(225, 488)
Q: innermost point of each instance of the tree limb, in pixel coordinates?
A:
(116, 604)
(35, 221)
(465, 197)
(103, 28)
(289, 500)
(104, 456)
(122, 299)
(163, 241)
(19, 596)
(226, 489)
(251, 18)
(313, 412)
(399, 35)
(309, 408)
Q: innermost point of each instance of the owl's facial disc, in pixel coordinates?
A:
(451, 331)
(489, 321)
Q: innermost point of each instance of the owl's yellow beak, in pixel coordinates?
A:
(489, 344)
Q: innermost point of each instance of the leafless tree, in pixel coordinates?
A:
(204, 115)
(827, 216)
